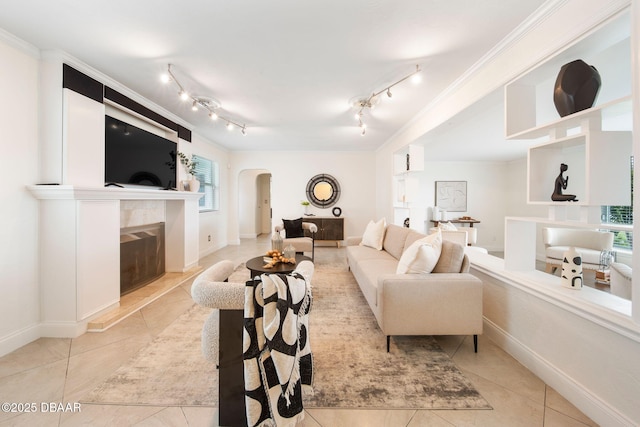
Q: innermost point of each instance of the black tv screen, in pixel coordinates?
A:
(138, 157)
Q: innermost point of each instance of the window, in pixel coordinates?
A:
(208, 174)
(621, 215)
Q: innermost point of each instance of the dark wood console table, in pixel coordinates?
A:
(329, 228)
(457, 221)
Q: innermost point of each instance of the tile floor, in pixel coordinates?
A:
(63, 370)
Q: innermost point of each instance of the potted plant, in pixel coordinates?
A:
(191, 184)
(305, 203)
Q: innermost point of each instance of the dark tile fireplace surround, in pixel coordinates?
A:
(142, 256)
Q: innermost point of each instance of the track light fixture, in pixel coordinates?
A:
(212, 105)
(370, 102)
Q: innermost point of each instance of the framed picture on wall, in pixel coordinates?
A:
(451, 195)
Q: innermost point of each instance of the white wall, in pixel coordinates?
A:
(487, 198)
(581, 349)
(213, 224)
(19, 305)
(290, 173)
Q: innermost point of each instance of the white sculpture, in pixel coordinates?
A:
(572, 269)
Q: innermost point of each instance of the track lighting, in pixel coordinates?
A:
(374, 98)
(209, 104)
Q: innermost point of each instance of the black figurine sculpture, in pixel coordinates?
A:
(576, 88)
(561, 184)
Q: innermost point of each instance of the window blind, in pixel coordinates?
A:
(207, 173)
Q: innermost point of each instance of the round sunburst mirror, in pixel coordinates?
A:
(323, 191)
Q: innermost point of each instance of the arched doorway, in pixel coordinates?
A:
(254, 202)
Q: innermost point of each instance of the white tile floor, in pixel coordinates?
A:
(63, 370)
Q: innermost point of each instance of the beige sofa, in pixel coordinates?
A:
(589, 243)
(446, 302)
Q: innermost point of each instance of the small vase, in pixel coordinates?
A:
(194, 185)
(276, 242)
(290, 252)
(572, 269)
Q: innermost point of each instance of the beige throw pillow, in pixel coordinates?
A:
(374, 234)
(422, 256)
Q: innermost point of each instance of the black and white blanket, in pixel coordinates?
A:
(277, 356)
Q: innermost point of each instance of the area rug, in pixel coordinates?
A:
(351, 366)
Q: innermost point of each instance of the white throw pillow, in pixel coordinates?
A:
(447, 226)
(421, 256)
(374, 234)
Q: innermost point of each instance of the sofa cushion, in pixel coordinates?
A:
(394, 240)
(370, 270)
(359, 253)
(412, 237)
(374, 234)
(293, 228)
(421, 256)
(451, 258)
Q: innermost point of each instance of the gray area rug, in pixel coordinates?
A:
(352, 367)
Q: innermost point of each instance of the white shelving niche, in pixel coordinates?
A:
(596, 171)
(596, 144)
(406, 162)
(529, 109)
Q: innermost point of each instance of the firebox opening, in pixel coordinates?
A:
(142, 257)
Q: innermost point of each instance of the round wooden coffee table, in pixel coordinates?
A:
(256, 265)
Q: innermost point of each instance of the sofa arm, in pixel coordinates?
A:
(313, 228)
(353, 240)
(430, 304)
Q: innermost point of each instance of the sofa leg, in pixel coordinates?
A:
(388, 342)
(475, 343)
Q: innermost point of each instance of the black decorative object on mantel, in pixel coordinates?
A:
(561, 184)
(576, 88)
(337, 211)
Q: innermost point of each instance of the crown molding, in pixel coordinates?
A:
(606, 12)
(19, 44)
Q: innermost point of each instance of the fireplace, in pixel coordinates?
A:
(142, 257)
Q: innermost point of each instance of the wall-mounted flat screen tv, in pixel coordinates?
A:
(134, 156)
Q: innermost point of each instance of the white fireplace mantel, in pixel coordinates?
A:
(80, 248)
(70, 192)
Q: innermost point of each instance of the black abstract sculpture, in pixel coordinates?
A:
(577, 87)
(561, 184)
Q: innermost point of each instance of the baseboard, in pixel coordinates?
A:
(591, 405)
(19, 339)
(31, 333)
(63, 329)
(210, 251)
(249, 236)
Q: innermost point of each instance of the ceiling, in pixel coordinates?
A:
(286, 69)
